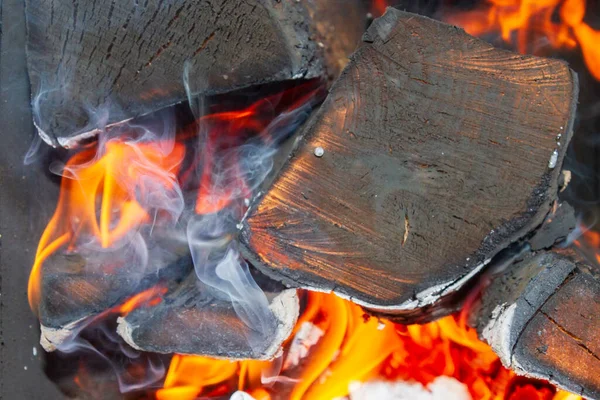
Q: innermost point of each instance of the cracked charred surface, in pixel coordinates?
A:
(542, 319)
(125, 59)
(436, 150)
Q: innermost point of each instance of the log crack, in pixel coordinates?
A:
(526, 324)
(576, 338)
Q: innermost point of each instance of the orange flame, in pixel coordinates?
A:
(530, 25)
(589, 243)
(224, 130)
(101, 198)
(104, 190)
(356, 348)
(150, 297)
(115, 180)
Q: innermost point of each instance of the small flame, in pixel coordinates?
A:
(358, 348)
(588, 242)
(112, 190)
(150, 297)
(103, 198)
(531, 25)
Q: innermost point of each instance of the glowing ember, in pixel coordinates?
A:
(356, 348)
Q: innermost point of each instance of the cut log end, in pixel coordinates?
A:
(93, 68)
(541, 318)
(439, 151)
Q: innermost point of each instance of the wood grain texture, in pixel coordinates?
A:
(436, 157)
(542, 318)
(93, 63)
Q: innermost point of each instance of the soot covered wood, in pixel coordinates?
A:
(433, 152)
(93, 64)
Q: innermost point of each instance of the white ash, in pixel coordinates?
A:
(241, 395)
(497, 332)
(308, 335)
(125, 330)
(442, 388)
(286, 308)
(52, 338)
(566, 179)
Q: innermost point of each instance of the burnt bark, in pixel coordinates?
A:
(439, 151)
(95, 64)
(541, 317)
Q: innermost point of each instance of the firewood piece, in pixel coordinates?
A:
(73, 290)
(432, 153)
(542, 319)
(125, 59)
(192, 320)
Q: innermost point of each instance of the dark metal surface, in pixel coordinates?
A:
(22, 188)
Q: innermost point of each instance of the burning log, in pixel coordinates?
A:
(541, 317)
(73, 290)
(136, 216)
(194, 319)
(92, 67)
(433, 152)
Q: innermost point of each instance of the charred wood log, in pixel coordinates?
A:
(541, 317)
(433, 152)
(93, 66)
(193, 320)
(75, 287)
